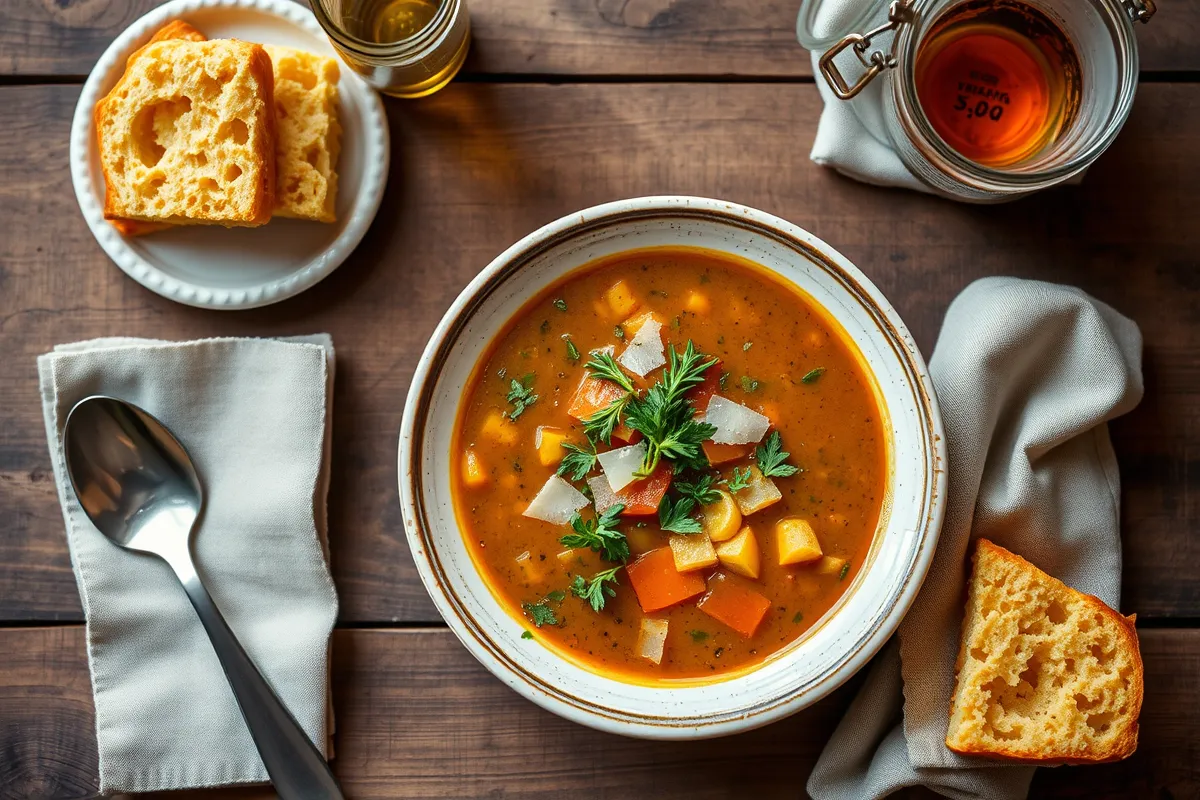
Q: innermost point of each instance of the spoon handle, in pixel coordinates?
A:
(296, 767)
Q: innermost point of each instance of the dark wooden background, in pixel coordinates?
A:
(564, 104)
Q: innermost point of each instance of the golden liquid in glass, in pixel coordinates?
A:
(387, 21)
(998, 81)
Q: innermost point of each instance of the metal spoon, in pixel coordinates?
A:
(139, 487)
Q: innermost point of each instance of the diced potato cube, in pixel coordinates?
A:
(498, 428)
(760, 493)
(549, 445)
(532, 567)
(721, 519)
(473, 473)
(797, 541)
(697, 303)
(692, 552)
(830, 565)
(621, 300)
(741, 554)
(652, 639)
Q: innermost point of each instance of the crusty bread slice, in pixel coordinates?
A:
(309, 139)
(188, 134)
(1046, 674)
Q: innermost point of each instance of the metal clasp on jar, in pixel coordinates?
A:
(899, 12)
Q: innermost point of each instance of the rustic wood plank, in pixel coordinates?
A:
(480, 165)
(417, 717)
(751, 38)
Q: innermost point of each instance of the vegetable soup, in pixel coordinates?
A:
(669, 465)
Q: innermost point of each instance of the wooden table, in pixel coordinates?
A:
(564, 104)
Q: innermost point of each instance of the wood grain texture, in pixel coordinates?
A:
(417, 717)
(748, 38)
(478, 166)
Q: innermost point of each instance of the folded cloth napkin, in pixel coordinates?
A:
(1026, 374)
(254, 414)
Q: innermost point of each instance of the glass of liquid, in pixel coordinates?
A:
(986, 100)
(405, 48)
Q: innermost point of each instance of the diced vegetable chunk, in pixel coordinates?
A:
(620, 463)
(645, 351)
(658, 584)
(721, 519)
(733, 604)
(548, 442)
(532, 567)
(697, 303)
(735, 423)
(797, 541)
(830, 565)
(621, 300)
(556, 502)
(692, 552)
(643, 540)
(701, 393)
(741, 554)
(473, 474)
(760, 493)
(642, 498)
(499, 429)
(724, 453)
(593, 395)
(652, 639)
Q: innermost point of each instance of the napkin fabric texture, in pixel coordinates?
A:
(1026, 374)
(255, 416)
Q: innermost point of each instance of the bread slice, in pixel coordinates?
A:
(306, 117)
(1046, 674)
(188, 134)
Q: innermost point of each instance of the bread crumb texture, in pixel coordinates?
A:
(309, 135)
(1045, 674)
(188, 134)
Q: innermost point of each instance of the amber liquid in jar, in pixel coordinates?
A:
(384, 21)
(998, 81)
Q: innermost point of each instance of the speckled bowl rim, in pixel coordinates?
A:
(485, 647)
(369, 193)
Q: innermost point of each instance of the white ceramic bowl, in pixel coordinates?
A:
(230, 268)
(802, 673)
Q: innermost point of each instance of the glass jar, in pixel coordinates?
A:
(377, 39)
(869, 59)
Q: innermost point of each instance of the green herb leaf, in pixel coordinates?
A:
(560, 304)
(603, 366)
(572, 351)
(698, 636)
(701, 491)
(521, 395)
(739, 481)
(724, 380)
(578, 461)
(540, 613)
(618, 332)
(556, 596)
(544, 327)
(596, 591)
(600, 534)
(666, 417)
(526, 634)
(599, 427)
(845, 569)
(747, 346)
(677, 322)
(812, 375)
(796, 619)
(771, 457)
(749, 384)
(674, 517)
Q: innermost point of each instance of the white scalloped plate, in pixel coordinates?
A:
(230, 268)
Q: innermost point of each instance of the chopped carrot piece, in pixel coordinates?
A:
(658, 584)
(703, 392)
(724, 453)
(642, 498)
(733, 604)
(594, 395)
(472, 470)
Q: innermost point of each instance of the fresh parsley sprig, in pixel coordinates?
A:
(771, 457)
(702, 490)
(521, 395)
(600, 534)
(596, 591)
(665, 415)
(675, 517)
(739, 481)
(578, 461)
(599, 427)
(542, 613)
(602, 365)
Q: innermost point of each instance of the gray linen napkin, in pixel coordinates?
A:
(254, 414)
(1026, 373)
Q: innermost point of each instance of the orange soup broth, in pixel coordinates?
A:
(761, 329)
